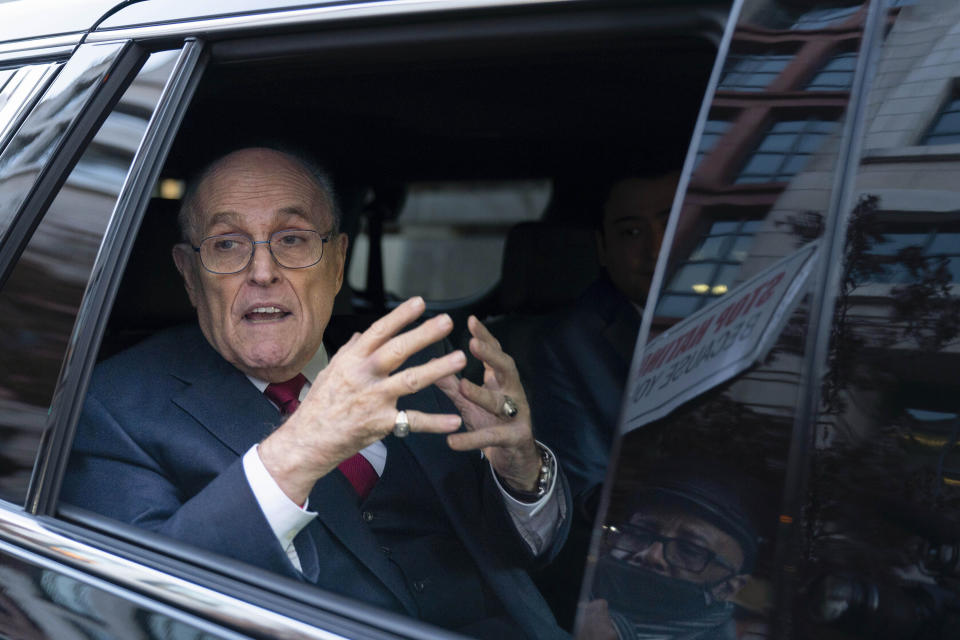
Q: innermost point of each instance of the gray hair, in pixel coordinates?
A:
(187, 216)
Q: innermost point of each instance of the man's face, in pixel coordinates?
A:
(266, 320)
(633, 223)
(692, 534)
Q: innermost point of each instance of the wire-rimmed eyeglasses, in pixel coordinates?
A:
(625, 542)
(290, 248)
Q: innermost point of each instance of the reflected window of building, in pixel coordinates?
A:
(824, 18)
(946, 126)
(752, 72)
(713, 130)
(836, 74)
(785, 150)
(711, 268)
(922, 249)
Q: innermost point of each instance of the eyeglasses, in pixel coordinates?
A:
(290, 248)
(626, 541)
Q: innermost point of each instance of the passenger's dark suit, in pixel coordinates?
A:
(581, 365)
(160, 443)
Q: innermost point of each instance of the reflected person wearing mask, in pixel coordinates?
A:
(669, 571)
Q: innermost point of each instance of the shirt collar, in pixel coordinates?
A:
(310, 371)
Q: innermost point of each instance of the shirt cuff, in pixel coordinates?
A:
(285, 518)
(537, 522)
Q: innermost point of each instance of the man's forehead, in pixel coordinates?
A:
(234, 217)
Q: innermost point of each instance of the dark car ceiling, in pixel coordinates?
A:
(589, 107)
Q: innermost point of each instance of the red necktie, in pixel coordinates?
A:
(356, 468)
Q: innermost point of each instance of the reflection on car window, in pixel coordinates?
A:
(430, 234)
(43, 293)
(18, 87)
(710, 407)
(41, 133)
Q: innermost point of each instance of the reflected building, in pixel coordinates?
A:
(861, 498)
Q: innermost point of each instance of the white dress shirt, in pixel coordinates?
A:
(536, 522)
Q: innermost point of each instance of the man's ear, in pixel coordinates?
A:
(729, 587)
(183, 259)
(340, 244)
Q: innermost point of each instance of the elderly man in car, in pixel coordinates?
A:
(361, 472)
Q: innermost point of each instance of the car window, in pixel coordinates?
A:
(18, 87)
(27, 154)
(698, 533)
(43, 292)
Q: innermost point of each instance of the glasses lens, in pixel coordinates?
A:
(225, 254)
(297, 248)
(687, 555)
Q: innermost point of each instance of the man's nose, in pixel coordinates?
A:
(652, 558)
(263, 268)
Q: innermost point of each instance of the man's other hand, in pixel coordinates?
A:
(506, 442)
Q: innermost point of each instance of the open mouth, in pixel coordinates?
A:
(265, 314)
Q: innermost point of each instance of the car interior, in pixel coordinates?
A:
(577, 103)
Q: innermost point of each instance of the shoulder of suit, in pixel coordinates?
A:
(164, 351)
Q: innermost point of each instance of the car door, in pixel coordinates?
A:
(83, 169)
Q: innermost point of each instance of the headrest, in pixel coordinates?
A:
(546, 266)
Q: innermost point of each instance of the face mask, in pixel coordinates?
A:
(643, 595)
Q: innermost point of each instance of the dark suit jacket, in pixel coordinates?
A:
(581, 367)
(159, 445)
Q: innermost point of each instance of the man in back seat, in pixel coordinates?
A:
(581, 364)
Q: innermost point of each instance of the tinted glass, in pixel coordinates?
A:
(713, 398)
(42, 132)
(42, 295)
(882, 508)
(18, 87)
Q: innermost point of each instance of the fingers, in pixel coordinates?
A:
(413, 379)
(386, 327)
(488, 400)
(433, 422)
(397, 349)
(498, 436)
(488, 350)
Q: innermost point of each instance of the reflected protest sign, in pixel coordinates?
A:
(716, 343)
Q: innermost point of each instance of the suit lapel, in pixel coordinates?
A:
(223, 400)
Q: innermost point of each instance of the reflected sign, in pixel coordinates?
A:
(716, 343)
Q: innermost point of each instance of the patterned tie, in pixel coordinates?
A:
(356, 468)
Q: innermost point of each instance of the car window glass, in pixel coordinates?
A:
(712, 398)
(43, 293)
(41, 133)
(18, 87)
(441, 223)
(883, 473)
